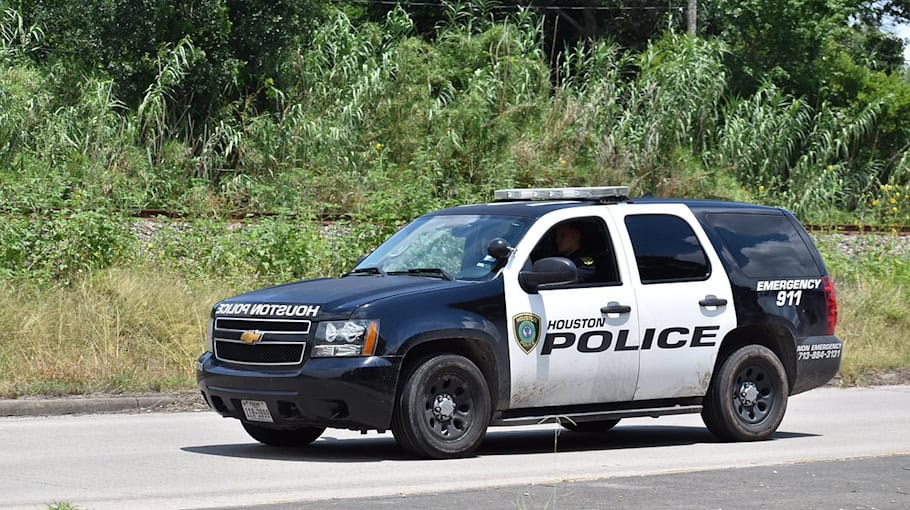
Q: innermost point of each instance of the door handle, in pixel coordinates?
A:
(711, 300)
(616, 308)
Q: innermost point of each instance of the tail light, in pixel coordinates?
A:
(830, 305)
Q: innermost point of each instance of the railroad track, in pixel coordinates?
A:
(326, 218)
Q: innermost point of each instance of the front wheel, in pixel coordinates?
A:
(747, 398)
(288, 438)
(443, 408)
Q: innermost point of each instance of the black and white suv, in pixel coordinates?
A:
(572, 302)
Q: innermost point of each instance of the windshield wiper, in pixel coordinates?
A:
(434, 271)
(368, 270)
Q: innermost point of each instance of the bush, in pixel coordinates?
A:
(59, 245)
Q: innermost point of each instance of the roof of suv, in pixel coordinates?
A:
(538, 208)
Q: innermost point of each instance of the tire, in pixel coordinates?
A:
(590, 427)
(443, 408)
(747, 397)
(285, 438)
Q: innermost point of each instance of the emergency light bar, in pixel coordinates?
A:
(604, 193)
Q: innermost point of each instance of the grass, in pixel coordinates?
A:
(139, 328)
(114, 330)
(872, 276)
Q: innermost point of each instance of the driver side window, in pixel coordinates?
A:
(586, 242)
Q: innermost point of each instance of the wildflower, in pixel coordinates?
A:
(881, 187)
(892, 200)
(761, 188)
(562, 162)
(887, 187)
(875, 203)
(830, 168)
(378, 147)
(894, 209)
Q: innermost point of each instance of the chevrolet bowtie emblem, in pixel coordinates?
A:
(251, 337)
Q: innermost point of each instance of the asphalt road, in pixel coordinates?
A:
(193, 460)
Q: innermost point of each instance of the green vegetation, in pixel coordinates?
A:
(872, 277)
(226, 108)
(62, 506)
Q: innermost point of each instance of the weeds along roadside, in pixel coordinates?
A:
(114, 309)
(92, 306)
(872, 276)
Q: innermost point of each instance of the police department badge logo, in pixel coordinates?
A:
(527, 331)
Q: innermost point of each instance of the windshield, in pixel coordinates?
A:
(447, 245)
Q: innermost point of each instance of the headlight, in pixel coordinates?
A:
(209, 334)
(345, 338)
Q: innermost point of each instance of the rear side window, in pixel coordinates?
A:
(764, 245)
(666, 249)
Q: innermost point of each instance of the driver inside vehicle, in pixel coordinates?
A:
(568, 245)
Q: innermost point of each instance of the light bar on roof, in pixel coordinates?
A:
(593, 193)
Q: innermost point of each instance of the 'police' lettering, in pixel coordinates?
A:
(663, 339)
(601, 340)
(606, 338)
(704, 332)
(549, 342)
(621, 341)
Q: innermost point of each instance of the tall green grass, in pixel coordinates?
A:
(872, 278)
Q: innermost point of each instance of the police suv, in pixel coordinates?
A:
(572, 302)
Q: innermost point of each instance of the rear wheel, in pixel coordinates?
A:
(443, 409)
(747, 397)
(275, 437)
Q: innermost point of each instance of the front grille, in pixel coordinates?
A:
(276, 326)
(259, 354)
(281, 341)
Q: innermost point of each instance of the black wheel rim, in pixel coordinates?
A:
(754, 394)
(448, 407)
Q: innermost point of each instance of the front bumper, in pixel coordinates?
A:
(817, 361)
(354, 393)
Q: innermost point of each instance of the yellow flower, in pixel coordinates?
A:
(892, 200)
(761, 188)
(881, 187)
(830, 169)
(562, 162)
(378, 147)
(894, 209)
(874, 203)
(887, 187)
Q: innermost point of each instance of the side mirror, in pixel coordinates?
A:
(499, 249)
(548, 271)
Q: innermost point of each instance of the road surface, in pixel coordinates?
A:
(194, 460)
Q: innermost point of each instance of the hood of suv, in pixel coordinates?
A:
(326, 298)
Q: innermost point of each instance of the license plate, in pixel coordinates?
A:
(256, 410)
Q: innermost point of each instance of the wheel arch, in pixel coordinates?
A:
(475, 348)
(776, 338)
